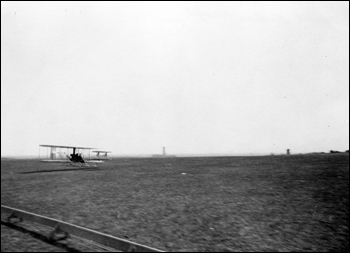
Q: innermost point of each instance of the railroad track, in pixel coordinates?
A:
(65, 235)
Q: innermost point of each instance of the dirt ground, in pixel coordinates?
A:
(15, 241)
(269, 203)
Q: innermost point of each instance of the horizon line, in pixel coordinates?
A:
(194, 154)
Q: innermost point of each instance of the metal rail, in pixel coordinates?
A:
(85, 233)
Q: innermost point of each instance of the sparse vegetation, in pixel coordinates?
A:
(272, 203)
(15, 241)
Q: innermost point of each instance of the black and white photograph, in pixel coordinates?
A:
(175, 126)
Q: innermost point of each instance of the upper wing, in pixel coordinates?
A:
(58, 146)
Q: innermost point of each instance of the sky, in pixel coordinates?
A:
(194, 77)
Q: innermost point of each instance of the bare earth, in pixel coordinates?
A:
(15, 241)
(272, 203)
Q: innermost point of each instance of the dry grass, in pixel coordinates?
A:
(15, 241)
(277, 203)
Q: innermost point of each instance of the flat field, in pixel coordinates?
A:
(268, 203)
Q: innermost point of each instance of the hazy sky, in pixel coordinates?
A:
(195, 77)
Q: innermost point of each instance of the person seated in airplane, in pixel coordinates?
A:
(79, 158)
(74, 157)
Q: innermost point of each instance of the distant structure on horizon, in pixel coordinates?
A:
(288, 151)
(163, 155)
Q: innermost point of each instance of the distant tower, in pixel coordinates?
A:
(163, 150)
(288, 152)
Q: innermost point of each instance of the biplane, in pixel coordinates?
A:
(70, 155)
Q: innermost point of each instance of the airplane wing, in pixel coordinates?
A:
(58, 146)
